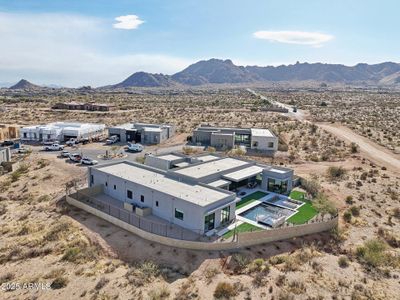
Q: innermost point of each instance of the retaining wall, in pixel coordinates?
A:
(244, 239)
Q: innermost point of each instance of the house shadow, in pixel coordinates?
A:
(175, 263)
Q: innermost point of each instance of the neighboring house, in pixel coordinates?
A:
(223, 138)
(61, 131)
(193, 192)
(148, 134)
(84, 106)
(5, 154)
(8, 132)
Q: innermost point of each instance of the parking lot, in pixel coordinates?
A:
(97, 151)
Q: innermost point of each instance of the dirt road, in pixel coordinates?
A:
(369, 149)
(376, 153)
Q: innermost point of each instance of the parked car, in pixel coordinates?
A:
(49, 143)
(135, 147)
(112, 140)
(75, 157)
(64, 153)
(88, 161)
(7, 143)
(71, 142)
(23, 149)
(54, 147)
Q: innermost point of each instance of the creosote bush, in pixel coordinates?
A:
(225, 290)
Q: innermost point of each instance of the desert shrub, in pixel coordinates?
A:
(3, 209)
(44, 198)
(258, 265)
(6, 277)
(42, 163)
(349, 200)
(159, 293)
(389, 237)
(324, 205)
(211, 149)
(142, 273)
(297, 287)
(336, 173)
(343, 262)
(140, 159)
(59, 283)
(277, 259)
(373, 253)
(71, 254)
(225, 290)
(396, 213)
(210, 273)
(347, 216)
(355, 211)
(353, 148)
(5, 185)
(311, 186)
(101, 283)
(241, 260)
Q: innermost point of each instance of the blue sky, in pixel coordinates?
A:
(75, 43)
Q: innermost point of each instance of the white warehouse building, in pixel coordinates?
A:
(61, 131)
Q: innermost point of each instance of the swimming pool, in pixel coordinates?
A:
(267, 214)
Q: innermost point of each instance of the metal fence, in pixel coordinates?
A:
(158, 228)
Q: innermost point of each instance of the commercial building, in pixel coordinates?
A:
(197, 193)
(223, 138)
(61, 131)
(91, 106)
(147, 134)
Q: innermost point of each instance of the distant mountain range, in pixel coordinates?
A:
(217, 71)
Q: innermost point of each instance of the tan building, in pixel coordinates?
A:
(9, 132)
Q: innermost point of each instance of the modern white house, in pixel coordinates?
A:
(223, 138)
(197, 193)
(144, 133)
(61, 131)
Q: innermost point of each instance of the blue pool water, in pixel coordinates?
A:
(266, 210)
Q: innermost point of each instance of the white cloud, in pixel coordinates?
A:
(315, 39)
(70, 50)
(127, 22)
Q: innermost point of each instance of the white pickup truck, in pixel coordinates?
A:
(54, 147)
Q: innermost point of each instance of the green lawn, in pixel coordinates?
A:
(250, 198)
(244, 227)
(297, 195)
(305, 212)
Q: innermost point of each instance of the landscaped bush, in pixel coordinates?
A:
(225, 290)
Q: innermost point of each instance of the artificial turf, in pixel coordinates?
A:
(305, 213)
(250, 198)
(244, 227)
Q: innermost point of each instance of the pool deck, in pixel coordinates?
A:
(266, 199)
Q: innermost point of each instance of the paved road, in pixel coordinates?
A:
(376, 153)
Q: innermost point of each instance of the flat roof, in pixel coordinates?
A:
(195, 193)
(182, 164)
(169, 157)
(244, 173)
(219, 183)
(261, 132)
(152, 129)
(211, 167)
(206, 158)
(280, 171)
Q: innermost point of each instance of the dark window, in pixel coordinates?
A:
(157, 203)
(115, 187)
(225, 212)
(106, 183)
(178, 214)
(271, 145)
(129, 194)
(141, 198)
(255, 144)
(91, 179)
(209, 222)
